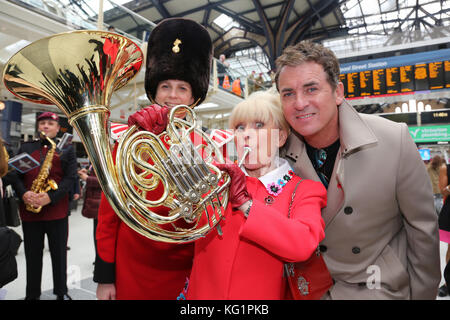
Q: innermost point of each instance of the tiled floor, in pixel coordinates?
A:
(80, 264)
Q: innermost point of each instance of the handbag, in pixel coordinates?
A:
(310, 279)
(444, 216)
(9, 244)
(11, 208)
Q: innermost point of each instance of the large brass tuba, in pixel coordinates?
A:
(78, 72)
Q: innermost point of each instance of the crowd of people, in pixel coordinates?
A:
(311, 186)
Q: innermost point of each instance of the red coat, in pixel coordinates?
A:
(247, 261)
(144, 268)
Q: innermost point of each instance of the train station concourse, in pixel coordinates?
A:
(394, 64)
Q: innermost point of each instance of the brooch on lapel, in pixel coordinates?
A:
(268, 200)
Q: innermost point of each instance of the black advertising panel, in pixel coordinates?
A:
(392, 80)
(407, 78)
(447, 73)
(408, 118)
(435, 117)
(427, 117)
(436, 75)
(352, 84)
(365, 83)
(379, 81)
(421, 77)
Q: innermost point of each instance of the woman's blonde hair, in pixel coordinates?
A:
(264, 106)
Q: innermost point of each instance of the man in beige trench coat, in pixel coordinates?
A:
(381, 237)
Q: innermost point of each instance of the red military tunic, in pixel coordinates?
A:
(247, 261)
(63, 171)
(144, 268)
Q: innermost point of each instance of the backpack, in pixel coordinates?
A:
(9, 244)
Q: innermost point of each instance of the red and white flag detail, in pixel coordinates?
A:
(117, 129)
(221, 137)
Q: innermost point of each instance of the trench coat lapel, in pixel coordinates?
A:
(295, 152)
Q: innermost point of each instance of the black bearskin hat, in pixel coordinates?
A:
(179, 49)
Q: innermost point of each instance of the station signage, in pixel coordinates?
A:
(422, 134)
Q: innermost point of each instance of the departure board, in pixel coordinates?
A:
(392, 80)
(379, 81)
(421, 77)
(352, 84)
(396, 80)
(365, 83)
(343, 79)
(436, 75)
(447, 73)
(406, 78)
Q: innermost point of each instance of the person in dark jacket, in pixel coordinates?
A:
(52, 220)
(3, 172)
(92, 195)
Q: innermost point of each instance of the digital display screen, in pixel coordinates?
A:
(407, 78)
(395, 80)
(343, 79)
(365, 83)
(392, 80)
(447, 73)
(421, 77)
(379, 81)
(352, 84)
(436, 75)
(425, 154)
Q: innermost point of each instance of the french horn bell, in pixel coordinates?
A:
(78, 72)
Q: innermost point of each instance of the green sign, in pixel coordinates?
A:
(430, 133)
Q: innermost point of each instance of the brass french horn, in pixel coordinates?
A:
(78, 72)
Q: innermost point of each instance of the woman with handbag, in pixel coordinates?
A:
(9, 207)
(276, 217)
(9, 239)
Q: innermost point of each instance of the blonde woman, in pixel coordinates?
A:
(246, 262)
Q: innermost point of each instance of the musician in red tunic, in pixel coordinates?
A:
(52, 220)
(129, 265)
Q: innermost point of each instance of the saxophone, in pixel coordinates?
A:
(41, 184)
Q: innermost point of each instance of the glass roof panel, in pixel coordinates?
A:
(370, 23)
(396, 17)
